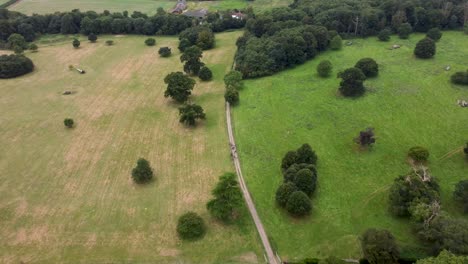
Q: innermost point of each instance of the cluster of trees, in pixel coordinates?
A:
(233, 83)
(365, 18)
(74, 22)
(14, 65)
(352, 79)
(191, 57)
(299, 181)
(460, 78)
(201, 36)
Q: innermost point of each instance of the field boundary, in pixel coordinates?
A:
(270, 256)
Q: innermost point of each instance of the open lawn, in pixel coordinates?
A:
(67, 195)
(411, 102)
(145, 6)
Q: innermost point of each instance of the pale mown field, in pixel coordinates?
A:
(66, 194)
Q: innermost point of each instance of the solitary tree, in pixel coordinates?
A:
(231, 95)
(366, 137)
(379, 247)
(205, 74)
(425, 48)
(191, 226)
(461, 194)
(324, 68)
(384, 35)
(142, 173)
(191, 57)
(404, 30)
(351, 84)
(189, 113)
(368, 66)
(150, 42)
(227, 199)
(164, 51)
(76, 43)
(68, 122)
(179, 86)
(336, 43)
(434, 34)
(298, 204)
(92, 37)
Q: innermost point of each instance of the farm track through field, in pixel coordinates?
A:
(248, 199)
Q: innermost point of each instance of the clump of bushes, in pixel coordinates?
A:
(404, 30)
(425, 48)
(232, 82)
(418, 154)
(434, 34)
(460, 78)
(384, 35)
(150, 42)
(324, 68)
(109, 42)
(366, 138)
(299, 181)
(142, 173)
(164, 52)
(200, 36)
(205, 74)
(33, 47)
(231, 95)
(68, 122)
(191, 226)
(76, 43)
(14, 65)
(92, 37)
(336, 43)
(379, 246)
(352, 82)
(368, 66)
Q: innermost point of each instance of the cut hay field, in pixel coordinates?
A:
(66, 194)
(146, 6)
(411, 102)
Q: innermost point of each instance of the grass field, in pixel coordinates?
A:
(145, 6)
(411, 103)
(67, 196)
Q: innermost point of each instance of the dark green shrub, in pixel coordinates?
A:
(418, 154)
(150, 42)
(142, 173)
(184, 44)
(179, 86)
(434, 34)
(76, 43)
(191, 226)
(368, 66)
(68, 122)
(352, 82)
(14, 65)
(298, 204)
(233, 79)
(324, 68)
(306, 181)
(33, 47)
(109, 42)
(460, 78)
(336, 43)
(231, 95)
(384, 35)
(461, 194)
(284, 191)
(189, 113)
(205, 74)
(425, 48)
(404, 30)
(227, 201)
(379, 246)
(92, 37)
(164, 52)
(366, 137)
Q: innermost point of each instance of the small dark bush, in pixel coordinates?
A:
(191, 226)
(434, 34)
(109, 42)
(33, 47)
(418, 154)
(76, 43)
(205, 74)
(366, 137)
(384, 35)
(150, 42)
(460, 78)
(142, 173)
(14, 65)
(425, 48)
(368, 66)
(298, 204)
(68, 122)
(284, 191)
(164, 52)
(92, 37)
(324, 68)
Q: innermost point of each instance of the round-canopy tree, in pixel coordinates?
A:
(306, 181)
(179, 86)
(164, 51)
(284, 191)
(379, 246)
(434, 34)
(425, 48)
(384, 35)
(336, 43)
(298, 204)
(404, 30)
(191, 57)
(324, 68)
(17, 41)
(352, 82)
(205, 74)
(368, 66)
(191, 226)
(92, 37)
(76, 43)
(33, 47)
(184, 44)
(460, 78)
(231, 95)
(142, 173)
(418, 154)
(14, 65)
(68, 122)
(190, 113)
(150, 42)
(233, 79)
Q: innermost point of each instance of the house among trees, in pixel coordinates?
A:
(180, 7)
(199, 13)
(236, 14)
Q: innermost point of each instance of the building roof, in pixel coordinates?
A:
(199, 13)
